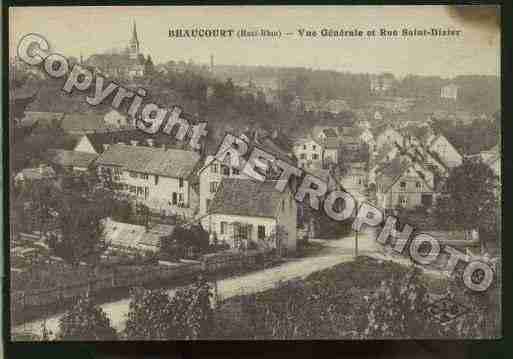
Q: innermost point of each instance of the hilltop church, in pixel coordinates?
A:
(128, 63)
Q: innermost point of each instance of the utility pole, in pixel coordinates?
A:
(356, 244)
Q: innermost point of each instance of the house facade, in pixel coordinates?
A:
(159, 178)
(440, 147)
(403, 184)
(210, 177)
(309, 153)
(247, 213)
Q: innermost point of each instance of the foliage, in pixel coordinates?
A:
(85, 321)
(470, 202)
(184, 237)
(186, 315)
(81, 235)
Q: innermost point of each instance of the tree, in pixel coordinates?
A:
(149, 314)
(470, 201)
(80, 224)
(184, 238)
(85, 321)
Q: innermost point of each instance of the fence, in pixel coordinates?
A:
(23, 299)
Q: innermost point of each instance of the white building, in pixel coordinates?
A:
(210, 177)
(449, 92)
(248, 212)
(160, 178)
(309, 153)
(444, 150)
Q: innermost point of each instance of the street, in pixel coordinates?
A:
(332, 253)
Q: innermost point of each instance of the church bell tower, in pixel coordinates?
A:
(133, 45)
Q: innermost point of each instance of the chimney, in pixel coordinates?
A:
(133, 143)
(150, 142)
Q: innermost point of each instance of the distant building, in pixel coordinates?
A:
(309, 153)
(128, 63)
(71, 160)
(247, 212)
(382, 82)
(449, 92)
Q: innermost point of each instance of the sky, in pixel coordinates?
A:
(73, 31)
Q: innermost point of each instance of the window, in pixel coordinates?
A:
(146, 192)
(314, 147)
(144, 176)
(283, 205)
(174, 198)
(180, 197)
(215, 168)
(208, 203)
(213, 187)
(418, 185)
(302, 156)
(140, 191)
(315, 156)
(235, 171)
(225, 170)
(133, 174)
(261, 232)
(224, 228)
(180, 182)
(403, 185)
(156, 180)
(304, 147)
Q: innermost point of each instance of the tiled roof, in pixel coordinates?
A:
(85, 123)
(245, 197)
(42, 119)
(70, 158)
(164, 162)
(389, 174)
(99, 139)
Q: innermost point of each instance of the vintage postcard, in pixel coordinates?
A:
(254, 172)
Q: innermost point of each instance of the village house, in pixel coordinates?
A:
(246, 213)
(404, 184)
(440, 147)
(309, 152)
(354, 179)
(74, 161)
(160, 178)
(98, 142)
(210, 176)
(449, 92)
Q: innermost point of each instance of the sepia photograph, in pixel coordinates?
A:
(253, 173)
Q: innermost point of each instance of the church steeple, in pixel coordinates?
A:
(134, 42)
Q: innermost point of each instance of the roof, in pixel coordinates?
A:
(85, 123)
(163, 162)
(33, 174)
(246, 197)
(45, 119)
(99, 139)
(105, 61)
(133, 235)
(70, 158)
(388, 175)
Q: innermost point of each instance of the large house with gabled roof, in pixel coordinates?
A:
(160, 178)
(403, 183)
